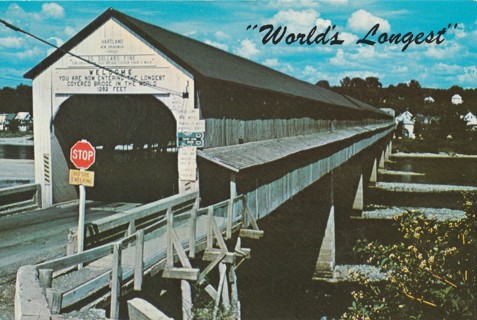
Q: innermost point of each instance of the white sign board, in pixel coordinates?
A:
(187, 163)
(121, 80)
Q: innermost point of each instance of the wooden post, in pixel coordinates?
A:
(230, 208)
(116, 278)
(46, 277)
(131, 228)
(210, 234)
(55, 299)
(139, 262)
(193, 228)
(234, 297)
(222, 271)
(170, 248)
(186, 300)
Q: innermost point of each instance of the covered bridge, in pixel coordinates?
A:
(168, 114)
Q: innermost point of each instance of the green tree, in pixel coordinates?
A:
(431, 273)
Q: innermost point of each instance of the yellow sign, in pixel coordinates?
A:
(85, 178)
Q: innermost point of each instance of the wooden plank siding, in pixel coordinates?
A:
(225, 132)
(282, 189)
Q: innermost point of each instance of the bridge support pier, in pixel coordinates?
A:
(325, 265)
(358, 203)
(326, 262)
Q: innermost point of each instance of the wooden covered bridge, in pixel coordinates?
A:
(169, 115)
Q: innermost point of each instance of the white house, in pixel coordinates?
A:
(406, 118)
(25, 121)
(5, 119)
(457, 99)
(429, 99)
(470, 119)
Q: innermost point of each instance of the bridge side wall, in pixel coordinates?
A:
(235, 114)
(269, 196)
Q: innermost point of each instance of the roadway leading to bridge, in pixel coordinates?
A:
(35, 236)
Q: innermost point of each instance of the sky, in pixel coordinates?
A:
(449, 59)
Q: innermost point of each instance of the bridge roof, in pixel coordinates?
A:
(205, 61)
(244, 156)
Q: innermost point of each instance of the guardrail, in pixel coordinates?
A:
(118, 225)
(20, 198)
(192, 230)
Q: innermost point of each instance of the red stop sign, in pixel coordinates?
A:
(82, 154)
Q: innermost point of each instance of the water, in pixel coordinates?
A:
(454, 171)
(16, 152)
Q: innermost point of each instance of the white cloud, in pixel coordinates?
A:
(309, 71)
(69, 31)
(247, 49)
(219, 45)
(348, 38)
(459, 32)
(221, 35)
(362, 20)
(11, 42)
(446, 68)
(296, 21)
(339, 59)
(442, 51)
(293, 3)
(33, 52)
(52, 10)
(400, 69)
(469, 76)
(338, 2)
(271, 62)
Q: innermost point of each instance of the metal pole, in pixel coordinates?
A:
(81, 219)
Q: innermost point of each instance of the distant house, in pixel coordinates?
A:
(470, 119)
(5, 119)
(429, 99)
(457, 99)
(407, 121)
(25, 121)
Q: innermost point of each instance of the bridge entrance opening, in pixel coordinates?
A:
(135, 141)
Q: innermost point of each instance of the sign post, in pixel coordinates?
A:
(82, 155)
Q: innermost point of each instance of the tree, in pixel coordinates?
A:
(431, 273)
(324, 84)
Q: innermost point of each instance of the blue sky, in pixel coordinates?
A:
(224, 25)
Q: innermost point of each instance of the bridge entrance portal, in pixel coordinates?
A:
(135, 141)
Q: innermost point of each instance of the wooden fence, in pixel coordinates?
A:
(193, 230)
(20, 198)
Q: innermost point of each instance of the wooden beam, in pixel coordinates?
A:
(180, 250)
(139, 261)
(116, 281)
(186, 300)
(54, 298)
(212, 265)
(212, 254)
(193, 228)
(181, 273)
(251, 234)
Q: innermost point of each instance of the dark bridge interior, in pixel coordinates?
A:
(135, 141)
